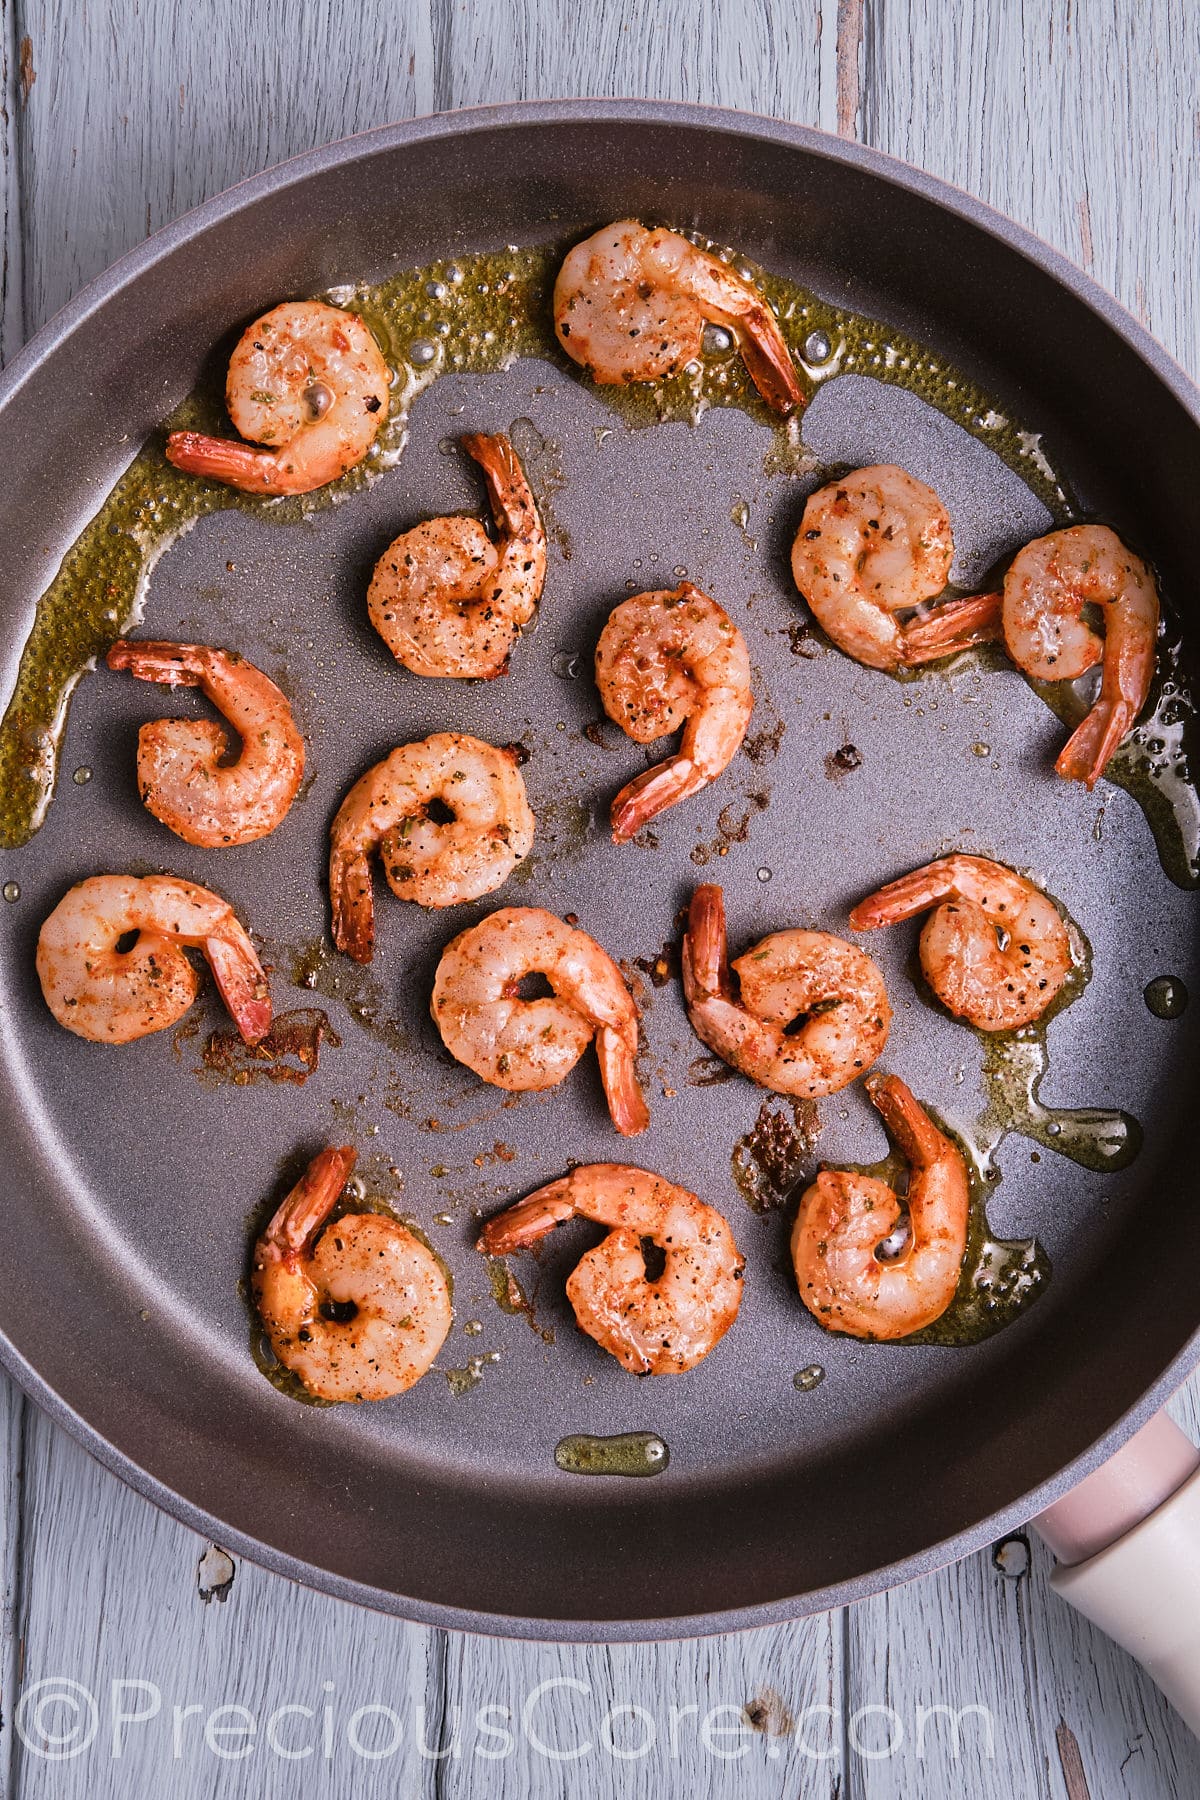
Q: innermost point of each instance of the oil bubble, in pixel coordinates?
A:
(421, 352)
(565, 664)
(1166, 996)
(764, 874)
(808, 1378)
(81, 777)
(11, 891)
(717, 340)
(817, 347)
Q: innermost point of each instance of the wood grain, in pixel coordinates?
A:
(111, 1595)
(1078, 119)
(143, 108)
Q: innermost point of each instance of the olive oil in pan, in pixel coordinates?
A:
(628, 1453)
(1166, 996)
(473, 315)
(1102, 1139)
(1000, 1277)
(1157, 762)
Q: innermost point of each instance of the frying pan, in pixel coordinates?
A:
(131, 1178)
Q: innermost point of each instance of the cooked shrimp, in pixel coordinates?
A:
(813, 1012)
(531, 1044)
(445, 598)
(180, 768)
(308, 381)
(995, 950)
(1045, 591)
(112, 996)
(359, 1313)
(873, 545)
(663, 1326)
(845, 1220)
(664, 660)
(631, 304)
(448, 816)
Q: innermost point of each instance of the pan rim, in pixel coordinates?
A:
(123, 274)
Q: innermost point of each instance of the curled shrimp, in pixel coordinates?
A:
(309, 382)
(845, 1220)
(183, 777)
(1047, 586)
(873, 545)
(994, 949)
(663, 1326)
(112, 996)
(531, 1044)
(664, 660)
(357, 1311)
(445, 598)
(449, 819)
(812, 1014)
(630, 304)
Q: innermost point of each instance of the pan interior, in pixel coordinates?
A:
(140, 1172)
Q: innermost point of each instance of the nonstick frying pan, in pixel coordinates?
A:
(131, 1179)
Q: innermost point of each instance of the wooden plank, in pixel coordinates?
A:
(768, 59)
(143, 108)
(1079, 121)
(114, 1601)
(1057, 114)
(758, 1713)
(14, 1409)
(752, 54)
(136, 112)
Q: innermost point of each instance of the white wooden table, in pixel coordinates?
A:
(1079, 118)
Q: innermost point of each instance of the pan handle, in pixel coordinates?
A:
(1128, 1543)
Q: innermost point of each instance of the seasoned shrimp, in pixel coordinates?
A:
(631, 304)
(445, 598)
(448, 816)
(995, 950)
(663, 1326)
(813, 1012)
(358, 1313)
(664, 660)
(1045, 590)
(845, 1220)
(112, 996)
(531, 1044)
(873, 545)
(308, 381)
(181, 770)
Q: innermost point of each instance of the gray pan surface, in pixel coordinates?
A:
(129, 1181)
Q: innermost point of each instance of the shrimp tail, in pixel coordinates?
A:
(224, 459)
(1088, 750)
(626, 1103)
(310, 1202)
(705, 959)
(768, 360)
(530, 1219)
(952, 626)
(175, 665)
(917, 1137)
(717, 1018)
(243, 984)
(652, 792)
(903, 899)
(353, 903)
(508, 490)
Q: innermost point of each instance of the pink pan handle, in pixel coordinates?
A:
(1128, 1544)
